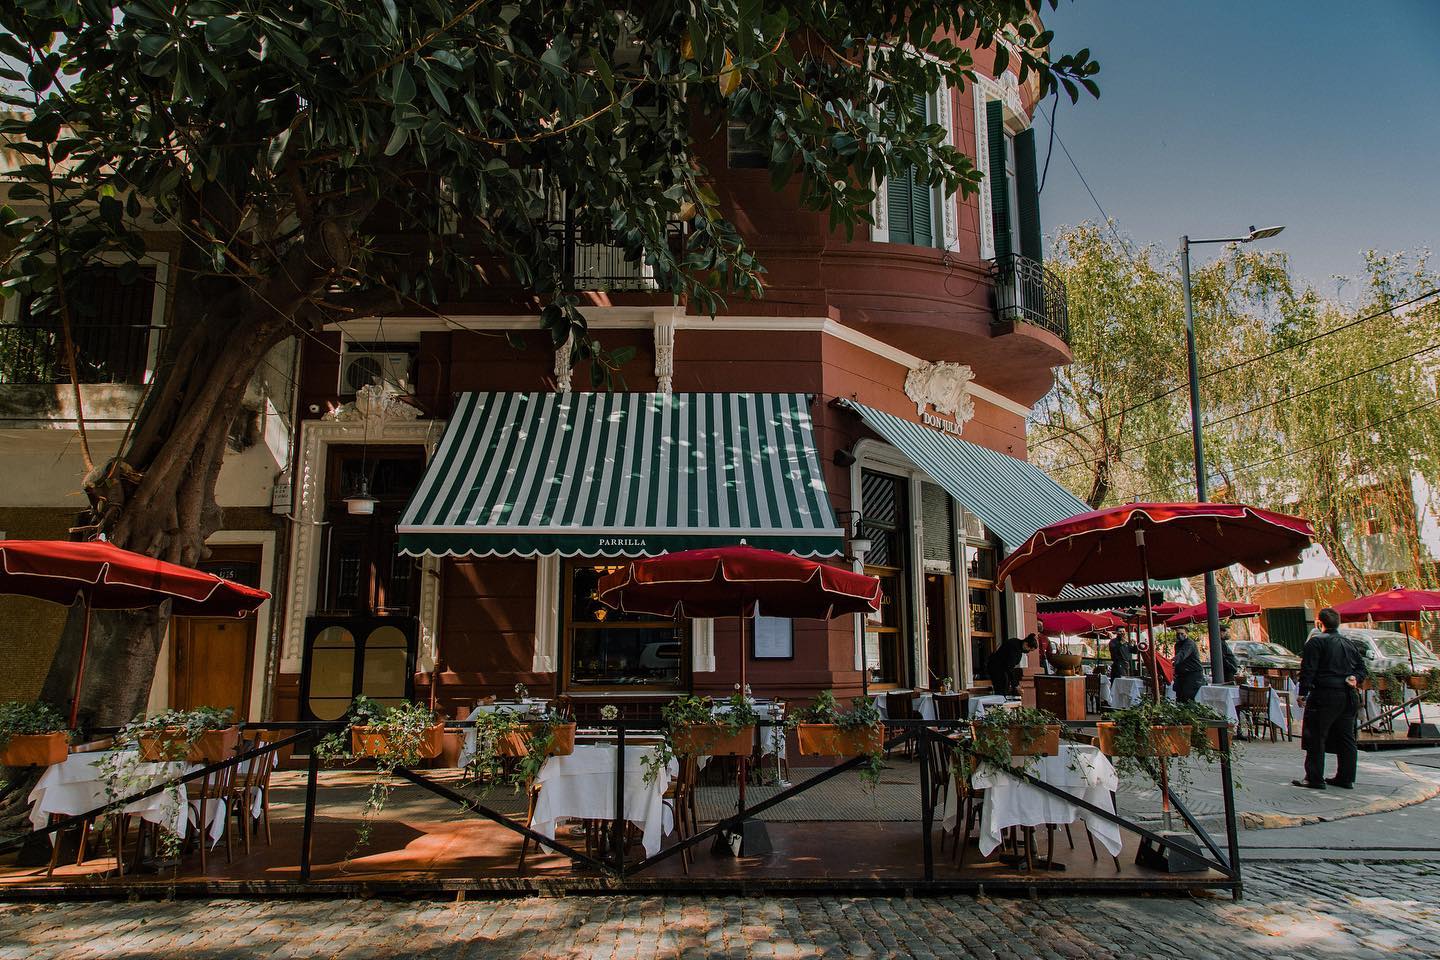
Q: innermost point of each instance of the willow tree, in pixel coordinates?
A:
(321, 161)
(1309, 407)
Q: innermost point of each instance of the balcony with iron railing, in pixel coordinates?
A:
(595, 262)
(1025, 292)
(34, 353)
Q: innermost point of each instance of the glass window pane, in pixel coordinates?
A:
(980, 561)
(626, 656)
(385, 672)
(332, 673)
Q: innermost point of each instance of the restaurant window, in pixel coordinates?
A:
(609, 650)
(364, 571)
(887, 631)
(985, 601)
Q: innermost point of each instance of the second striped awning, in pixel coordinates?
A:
(622, 474)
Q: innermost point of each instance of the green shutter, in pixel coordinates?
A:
(999, 188)
(1028, 186)
(900, 194)
(1287, 626)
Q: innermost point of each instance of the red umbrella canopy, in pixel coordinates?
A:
(1078, 621)
(737, 582)
(114, 579)
(1390, 605)
(1181, 539)
(1228, 611)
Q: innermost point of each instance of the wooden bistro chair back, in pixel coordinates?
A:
(1092, 692)
(951, 706)
(900, 705)
(1254, 709)
(249, 799)
(217, 787)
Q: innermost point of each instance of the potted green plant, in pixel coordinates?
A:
(201, 735)
(697, 728)
(553, 735)
(32, 735)
(1163, 730)
(823, 729)
(1390, 685)
(1005, 733)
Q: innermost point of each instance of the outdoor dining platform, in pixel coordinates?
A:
(842, 835)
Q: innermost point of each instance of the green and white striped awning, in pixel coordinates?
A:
(1011, 497)
(622, 474)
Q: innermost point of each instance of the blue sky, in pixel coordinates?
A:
(1322, 115)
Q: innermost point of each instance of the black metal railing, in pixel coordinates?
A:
(594, 261)
(1025, 292)
(104, 353)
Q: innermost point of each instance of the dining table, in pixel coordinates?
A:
(581, 786)
(82, 782)
(1125, 692)
(976, 707)
(924, 704)
(1223, 698)
(1080, 770)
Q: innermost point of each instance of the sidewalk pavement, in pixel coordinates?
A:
(1265, 798)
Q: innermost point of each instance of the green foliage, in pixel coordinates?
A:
(402, 730)
(395, 143)
(181, 728)
(22, 719)
(1277, 434)
(862, 715)
(990, 740)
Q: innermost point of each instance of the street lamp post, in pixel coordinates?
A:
(1212, 600)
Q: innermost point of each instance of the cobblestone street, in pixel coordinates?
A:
(1353, 910)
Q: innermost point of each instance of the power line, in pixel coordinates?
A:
(1071, 431)
(1315, 446)
(1256, 409)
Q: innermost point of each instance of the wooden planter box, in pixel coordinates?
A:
(1034, 741)
(829, 740)
(168, 745)
(712, 740)
(1164, 741)
(374, 742)
(562, 740)
(1418, 682)
(35, 750)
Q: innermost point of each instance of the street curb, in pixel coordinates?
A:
(1425, 790)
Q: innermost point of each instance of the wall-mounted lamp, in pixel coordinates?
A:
(844, 458)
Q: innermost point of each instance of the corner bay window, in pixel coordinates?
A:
(609, 650)
(885, 523)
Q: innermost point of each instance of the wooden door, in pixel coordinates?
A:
(211, 663)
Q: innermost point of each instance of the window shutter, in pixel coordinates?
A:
(1027, 185)
(922, 225)
(899, 193)
(999, 188)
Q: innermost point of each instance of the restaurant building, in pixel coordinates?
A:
(457, 487)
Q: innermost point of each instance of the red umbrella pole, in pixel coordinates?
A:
(1420, 703)
(744, 761)
(1154, 666)
(80, 667)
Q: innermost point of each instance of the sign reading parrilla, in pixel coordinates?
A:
(622, 541)
(949, 426)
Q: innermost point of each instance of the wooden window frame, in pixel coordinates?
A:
(567, 625)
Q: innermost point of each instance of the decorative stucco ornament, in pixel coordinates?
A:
(944, 386)
(376, 403)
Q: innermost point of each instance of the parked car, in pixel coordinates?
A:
(1258, 655)
(1386, 649)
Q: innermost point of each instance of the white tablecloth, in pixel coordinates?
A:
(1079, 769)
(1223, 699)
(77, 785)
(582, 786)
(520, 707)
(924, 704)
(1125, 692)
(977, 706)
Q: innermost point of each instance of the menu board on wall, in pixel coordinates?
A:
(774, 638)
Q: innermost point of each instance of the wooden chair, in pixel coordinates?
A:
(680, 798)
(216, 787)
(900, 705)
(1092, 692)
(951, 706)
(251, 786)
(1254, 710)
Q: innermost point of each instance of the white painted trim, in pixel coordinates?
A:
(303, 588)
(663, 341)
(775, 531)
(982, 163)
(702, 645)
(758, 324)
(949, 207)
(266, 633)
(547, 613)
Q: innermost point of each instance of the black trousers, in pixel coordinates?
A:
(1330, 724)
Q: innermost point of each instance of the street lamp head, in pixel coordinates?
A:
(1264, 233)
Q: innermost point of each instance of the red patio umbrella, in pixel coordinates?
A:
(738, 582)
(1077, 622)
(106, 577)
(1228, 611)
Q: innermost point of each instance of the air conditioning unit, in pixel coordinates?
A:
(360, 368)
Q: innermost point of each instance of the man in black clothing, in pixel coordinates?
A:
(1004, 664)
(1331, 669)
(1189, 670)
(1119, 656)
(1232, 665)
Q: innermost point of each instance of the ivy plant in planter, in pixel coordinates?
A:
(32, 735)
(203, 735)
(1393, 686)
(1004, 735)
(698, 726)
(823, 729)
(1138, 735)
(398, 736)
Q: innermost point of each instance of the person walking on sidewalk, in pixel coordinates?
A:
(1330, 673)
